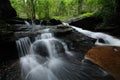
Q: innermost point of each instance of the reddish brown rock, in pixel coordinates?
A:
(106, 57)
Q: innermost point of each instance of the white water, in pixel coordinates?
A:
(34, 66)
(33, 27)
(109, 40)
(23, 46)
(52, 44)
(33, 70)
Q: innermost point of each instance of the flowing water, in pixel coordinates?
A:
(48, 58)
(107, 40)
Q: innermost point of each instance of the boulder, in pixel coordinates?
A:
(76, 41)
(40, 47)
(50, 22)
(61, 30)
(88, 23)
(107, 57)
(55, 22)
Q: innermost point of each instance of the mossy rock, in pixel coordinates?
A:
(61, 29)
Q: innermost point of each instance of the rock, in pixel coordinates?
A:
(10, 68)
(110, 29)
(40, 47)
(6, 10)
(55, 22)
(61, 30)
(43, 22)
(51, 22)
(88, 23)
(8, 50)
(107, 57)
(101, 40)
(16, 20)
(6, 27)
(77, 41)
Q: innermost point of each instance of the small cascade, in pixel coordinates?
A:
(31, 26)
(46, 36)
(23, 46)
(53, 45)
(102, 38)
(28, 24)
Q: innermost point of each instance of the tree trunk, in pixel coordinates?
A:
(47, 14)
(25, 8)
(33, 9)
(79, 6)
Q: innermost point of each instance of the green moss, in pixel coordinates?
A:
(61, 28)
(62, 18)
(88, 14)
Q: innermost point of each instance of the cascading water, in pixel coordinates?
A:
(107, 39)
(23, 45)
(39, 58)
(50, 43)
(48, 58)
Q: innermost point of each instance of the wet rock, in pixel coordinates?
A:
(42, 48)
(113, 29)
(77, 41)
(51, 22)
(10, 68)
(16, 20)
(95, 71)
(101, 40)
(106, 57)
(61, 30)
(7, 46)
(6, 10)
(88, 23)
(6, 27)
(55, 22)
(44, 22)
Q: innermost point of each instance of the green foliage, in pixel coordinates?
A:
(107, 10)
(18, 5)
(45, 9)
(80, 2)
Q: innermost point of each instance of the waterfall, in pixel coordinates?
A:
(107, 40)
(48, 58)
(46, 36)
(38, 58)
(53, 45)
(23, 46)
